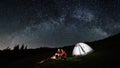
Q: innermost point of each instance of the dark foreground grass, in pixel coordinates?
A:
(107, 58)
(97, 59)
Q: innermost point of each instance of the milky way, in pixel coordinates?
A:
(55, 23)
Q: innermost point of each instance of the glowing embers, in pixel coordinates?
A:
(53, 57)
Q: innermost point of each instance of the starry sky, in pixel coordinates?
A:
(55, 23)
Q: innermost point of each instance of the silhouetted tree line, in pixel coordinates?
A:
(17, 47)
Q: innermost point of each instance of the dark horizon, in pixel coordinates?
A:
(53, 23)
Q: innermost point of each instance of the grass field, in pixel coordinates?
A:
(97, 59)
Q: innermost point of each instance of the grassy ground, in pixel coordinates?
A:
(100, 59)
(107, 58)
(97, 59)
(103, 58)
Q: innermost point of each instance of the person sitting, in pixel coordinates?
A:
(58, 54)
(63, 54)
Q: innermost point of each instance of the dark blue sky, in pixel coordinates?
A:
(53, 23)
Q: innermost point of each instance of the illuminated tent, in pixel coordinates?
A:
(81, 49)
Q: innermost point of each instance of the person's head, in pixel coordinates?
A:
(62, 50)
(58, 50)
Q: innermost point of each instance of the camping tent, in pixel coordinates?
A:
(81, 49)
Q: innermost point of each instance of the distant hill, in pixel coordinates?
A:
(107, 43)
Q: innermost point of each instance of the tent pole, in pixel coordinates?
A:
(82, 49)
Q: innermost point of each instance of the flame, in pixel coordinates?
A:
(53, 57)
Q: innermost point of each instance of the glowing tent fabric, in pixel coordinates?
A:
(81, 49)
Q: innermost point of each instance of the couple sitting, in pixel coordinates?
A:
(60, 54)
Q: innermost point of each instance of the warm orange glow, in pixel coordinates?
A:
(53, 57)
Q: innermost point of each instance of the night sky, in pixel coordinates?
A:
(54, 23)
